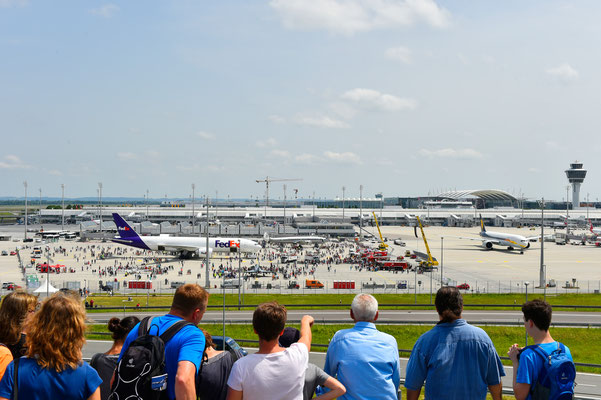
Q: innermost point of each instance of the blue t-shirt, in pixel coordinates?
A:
(531, 364)
(37, 383)
(187, 345)
(457, 361)
(366, 361)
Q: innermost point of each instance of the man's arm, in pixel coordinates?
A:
(520, 390)
(95, 395)
(413, 394)
(337, 389)
(496, 391)
(305, 331)
(185, 385)
(234, 394)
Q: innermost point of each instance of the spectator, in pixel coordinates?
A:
(273, 373)
(16, 308)
(528, 365)
(183, 353)
(211, 382)
(457, 360)
(365, 360)
(53, 367)
(105, 363)
(314, 376)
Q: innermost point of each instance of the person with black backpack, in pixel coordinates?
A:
(161, 355)
(544, 370)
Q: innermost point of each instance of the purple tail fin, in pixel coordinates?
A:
(125, 231)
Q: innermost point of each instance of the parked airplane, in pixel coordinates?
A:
(594, 231)
(490, 238)
(294, 239)
(256, 270)
(186, 246)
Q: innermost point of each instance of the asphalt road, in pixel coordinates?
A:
(588, 385)
(417, 316)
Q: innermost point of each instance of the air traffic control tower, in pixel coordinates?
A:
(576, 176)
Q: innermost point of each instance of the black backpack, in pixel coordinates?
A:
(141, 375)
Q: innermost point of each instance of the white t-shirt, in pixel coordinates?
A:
(275, 376)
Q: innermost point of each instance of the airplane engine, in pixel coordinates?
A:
(203, 252)
(487, 245)
(528, 245)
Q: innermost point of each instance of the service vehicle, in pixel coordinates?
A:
(463, 286)
(313, 284)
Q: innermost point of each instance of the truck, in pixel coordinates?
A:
(313, 284)
(230, 284)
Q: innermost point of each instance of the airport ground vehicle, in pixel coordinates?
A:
(13, 253)
(293, 285)
(463, 286)
(230, 284)
(313, 284)
(4, 252)
(175, 284)
(399, 242)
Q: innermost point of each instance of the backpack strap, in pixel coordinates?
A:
(16, 380)
(173, 329)
(144, 326)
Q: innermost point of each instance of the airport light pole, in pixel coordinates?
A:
(441, 258)
(146, 204)
(100, 209)
(542, 272)
(361, 215)
(587, 206)
(25, 185)
(313, 206)
(207, 281)
(284, 209)
(343, 189)
(40, 213)
(193, 216)
(63, 206)
(526, 286)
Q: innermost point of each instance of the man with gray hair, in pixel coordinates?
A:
(363, 359)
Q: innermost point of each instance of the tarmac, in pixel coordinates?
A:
(460, 261)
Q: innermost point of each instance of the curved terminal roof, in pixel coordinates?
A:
(488, 194)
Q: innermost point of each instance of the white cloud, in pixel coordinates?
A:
(563, 72)
(461, 154)
(353, 16)
(106, 10)
(374, 99)
(276, 119)
(127, 156)
(321, 122)
(13, 162)
(11, 3)
(280, 153)
(402, 54)
(266, 143)
(345, 158)
(205, 135)
(342, 109)
(306, 158)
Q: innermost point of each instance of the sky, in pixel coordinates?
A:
(404, 97)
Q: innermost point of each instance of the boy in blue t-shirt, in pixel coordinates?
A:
(527, 365)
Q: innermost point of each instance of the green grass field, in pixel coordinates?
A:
(585, 344)
(471, 300)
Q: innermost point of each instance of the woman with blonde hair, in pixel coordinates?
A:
(53, 366)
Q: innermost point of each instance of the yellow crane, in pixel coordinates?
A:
(383, 246)
(431, 261)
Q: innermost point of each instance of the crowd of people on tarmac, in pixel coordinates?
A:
(169, 356)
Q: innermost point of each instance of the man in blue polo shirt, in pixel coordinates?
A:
(183, 353)
(365, 360)
(456, 360)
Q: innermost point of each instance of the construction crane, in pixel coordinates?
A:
(267, 181)
(430, 261)
(383, 246)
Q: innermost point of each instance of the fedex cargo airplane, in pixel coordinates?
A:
(490, 238)
(186, 246)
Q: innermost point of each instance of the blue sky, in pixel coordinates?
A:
(407, 97)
